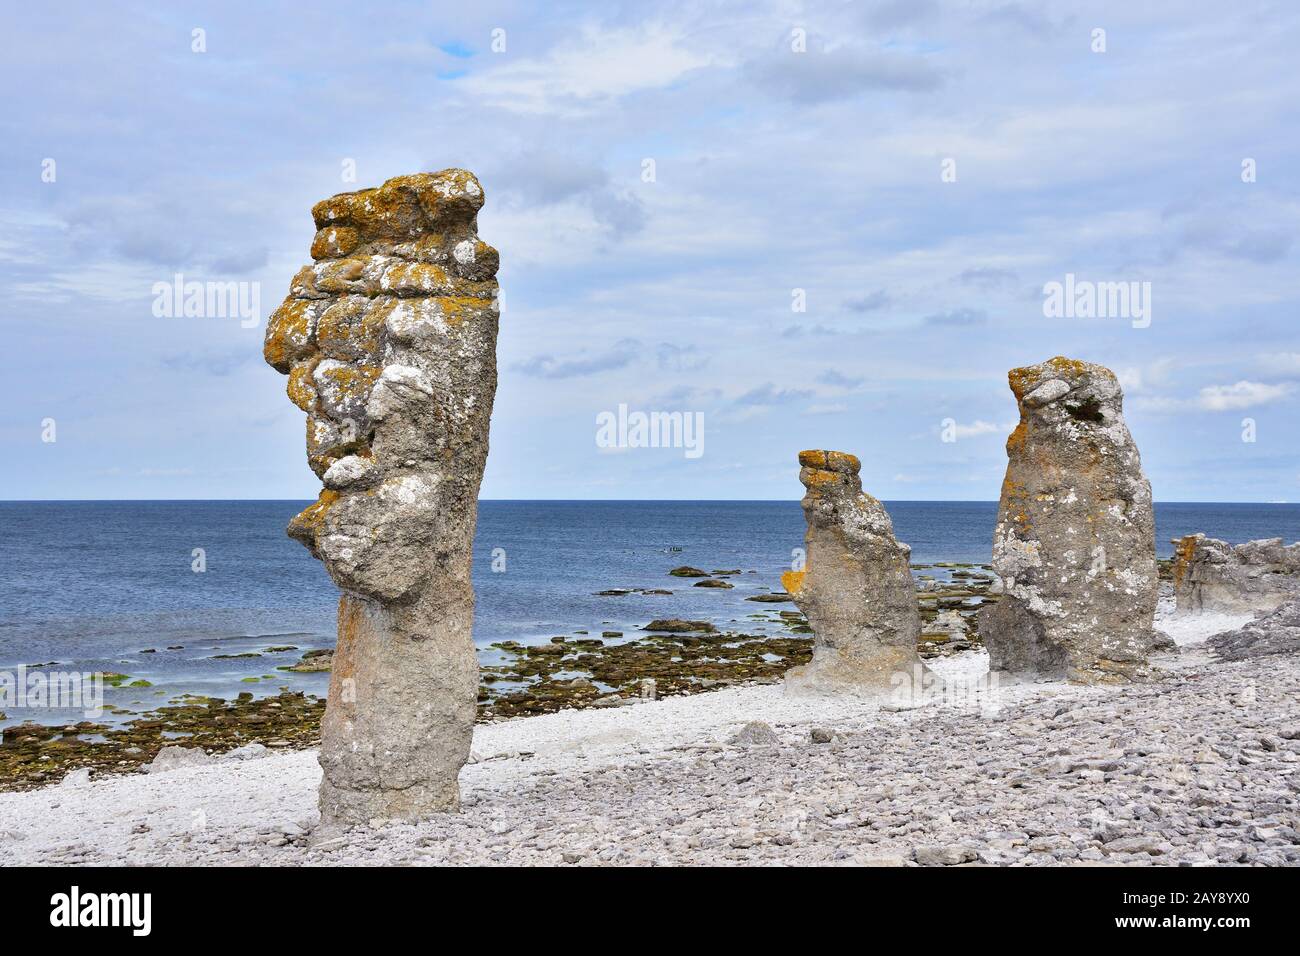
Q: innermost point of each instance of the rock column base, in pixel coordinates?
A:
(400, 715)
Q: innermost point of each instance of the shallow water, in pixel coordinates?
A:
(93, 585)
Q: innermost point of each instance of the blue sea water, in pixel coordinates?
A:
(92, 585)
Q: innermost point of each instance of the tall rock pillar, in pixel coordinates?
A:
(389, 342)
(856, 590)
(1075, 537)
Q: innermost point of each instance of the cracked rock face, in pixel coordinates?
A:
(856, 590)
(1212, 575)
(1075, 538)
(1276, 632)
(389, 342)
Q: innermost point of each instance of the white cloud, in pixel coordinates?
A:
(599, 65)
(1224, 398)
(979, 427)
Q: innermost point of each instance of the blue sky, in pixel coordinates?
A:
(775, 171)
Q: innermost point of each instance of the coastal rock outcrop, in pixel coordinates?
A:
(1277, 632)
(1075, 538)
(389, 342)
(1212, 575)
(856, 589)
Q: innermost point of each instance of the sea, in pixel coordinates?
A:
(170, 592)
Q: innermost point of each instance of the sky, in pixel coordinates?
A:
(820, 225)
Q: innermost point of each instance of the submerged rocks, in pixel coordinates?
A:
(947, 633)
(674, 625)
(1075, 538)
(1275, 633)
(672, 664)
(686, 571)
(389, 342)
(856, 590)
(313, 662)
(34, 756)
(1212, 575)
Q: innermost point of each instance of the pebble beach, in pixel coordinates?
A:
(1199, 767)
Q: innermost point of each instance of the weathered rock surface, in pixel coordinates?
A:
(1277, 632)
(389, 342)
(1075, 538)
(173, 758)
(756, 733)
(944, 855)
(253, 751)
(77, 778)
(1212, 575)
(856, 589)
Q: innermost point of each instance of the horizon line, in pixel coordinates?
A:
(992, 501)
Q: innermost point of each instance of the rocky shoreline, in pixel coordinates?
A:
(572, 671)
(1199, 767)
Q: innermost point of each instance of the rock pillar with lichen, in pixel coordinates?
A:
(389, 342)
(856, 588)
(1213, 575)
(1075, 537)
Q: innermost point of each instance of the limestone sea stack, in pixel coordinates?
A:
(389, 342)
(856, 588)
(1212, 575)
(1075, 537)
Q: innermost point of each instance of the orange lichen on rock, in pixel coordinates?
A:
(1075, 368)
(1017, 438)
(288, 334)
(457, 308)
(816, 478)
(1013, 490)
(856, 588)
(351, 618)
(339, 275)
(351, 382)
(398, 385)
(838, 461)
(405, 207)
(351, 328)
(301, 390)
(416, 278)
(334, 241)
(1026, 379)
(305, 525)
(1184, 550)
(1022, 380)
(303, 284)
(1079, 574)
